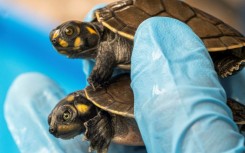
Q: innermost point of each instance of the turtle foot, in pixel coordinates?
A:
(97, 85)
(99, 132)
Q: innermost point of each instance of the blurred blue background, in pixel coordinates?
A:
(27, 49)
(25, 46)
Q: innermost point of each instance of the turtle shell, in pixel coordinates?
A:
(123, 17)
(116, 98)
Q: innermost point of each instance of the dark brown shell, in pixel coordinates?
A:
(117, 98)
(123, 17)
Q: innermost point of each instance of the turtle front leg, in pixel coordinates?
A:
(99, 131)
(103, 69)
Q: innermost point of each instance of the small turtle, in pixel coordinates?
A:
(102, 115)
(109, 37)
(107, 114)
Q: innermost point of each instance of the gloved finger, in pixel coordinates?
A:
(234, 86)
(179, 102)
(29, 101)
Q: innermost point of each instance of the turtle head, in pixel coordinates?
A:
(76, 39)
(69, 115)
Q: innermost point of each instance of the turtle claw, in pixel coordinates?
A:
(84, 138)
(90, 149)
(96, 85)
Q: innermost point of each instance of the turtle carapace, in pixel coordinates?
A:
(108, 38)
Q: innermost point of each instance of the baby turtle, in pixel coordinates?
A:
(109, 37)
(106, 115)
(103, 116)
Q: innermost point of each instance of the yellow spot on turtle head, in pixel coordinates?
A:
(82, 108)
(70, 98)
(91, 31)
(63, 43)
(78, 42)
(56, 34)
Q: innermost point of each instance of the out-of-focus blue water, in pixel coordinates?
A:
(24, 48)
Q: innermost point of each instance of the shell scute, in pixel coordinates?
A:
(131, 13)
(204, 28)
(178, 10)
(117, 98)
(152, 7)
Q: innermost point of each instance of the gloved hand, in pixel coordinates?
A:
(180, 109)
(180, 105)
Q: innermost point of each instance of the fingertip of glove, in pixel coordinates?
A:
(166, 49)
(160, 39)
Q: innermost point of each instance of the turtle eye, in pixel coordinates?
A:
(69, 31)
(67, 115)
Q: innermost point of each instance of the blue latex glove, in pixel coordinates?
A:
(179, 101)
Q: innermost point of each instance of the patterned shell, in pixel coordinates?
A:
(123, 17)
(117, 98)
